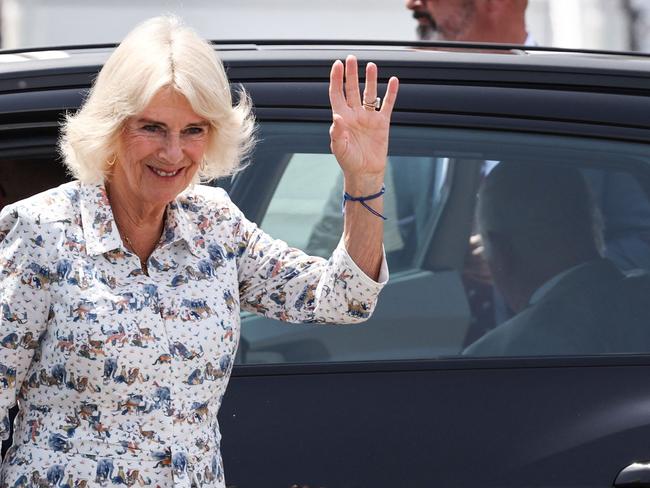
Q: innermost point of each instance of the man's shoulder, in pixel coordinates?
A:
(516, 334)
(634, 290)
(585, 313)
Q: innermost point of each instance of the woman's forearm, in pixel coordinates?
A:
(363, 231)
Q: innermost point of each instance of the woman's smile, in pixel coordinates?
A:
(163, 173)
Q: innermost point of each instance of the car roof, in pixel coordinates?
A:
(413, 62)
(507, 82)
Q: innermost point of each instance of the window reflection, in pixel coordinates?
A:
(543, 241)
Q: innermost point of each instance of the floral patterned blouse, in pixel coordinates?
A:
(119, 375)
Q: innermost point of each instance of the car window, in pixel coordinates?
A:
(443, 299)
(306, 208)
(499, 244)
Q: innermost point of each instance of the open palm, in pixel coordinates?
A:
(359, 134)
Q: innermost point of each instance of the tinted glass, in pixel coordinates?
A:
(453, 292)
(552, 261)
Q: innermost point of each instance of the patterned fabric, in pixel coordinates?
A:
(119, 375)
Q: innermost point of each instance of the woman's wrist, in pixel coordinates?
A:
(360, 185)
(364, 199)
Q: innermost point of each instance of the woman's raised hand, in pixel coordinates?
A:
(359, 133)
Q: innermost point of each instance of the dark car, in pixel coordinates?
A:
(410, 398)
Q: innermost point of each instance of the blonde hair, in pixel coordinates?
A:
(160, 52)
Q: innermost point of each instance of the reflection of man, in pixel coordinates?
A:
(542, 239)
(496, 21)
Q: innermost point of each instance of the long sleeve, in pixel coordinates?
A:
(24, 304)
(282, 282)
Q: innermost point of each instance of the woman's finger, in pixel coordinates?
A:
(352, 94)
(370, 87)
(337, 97)
(391, 96)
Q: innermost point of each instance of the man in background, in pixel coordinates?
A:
(543, 240)
(495, 21)
(426, 28)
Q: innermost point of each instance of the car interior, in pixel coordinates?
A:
(434, 175)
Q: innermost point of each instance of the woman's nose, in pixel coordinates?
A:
(173, 148)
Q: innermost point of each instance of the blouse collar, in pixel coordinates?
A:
(100, 230)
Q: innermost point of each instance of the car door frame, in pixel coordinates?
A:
(267, 401)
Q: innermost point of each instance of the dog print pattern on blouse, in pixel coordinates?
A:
(119, 375)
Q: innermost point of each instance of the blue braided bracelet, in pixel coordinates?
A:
(363, 200)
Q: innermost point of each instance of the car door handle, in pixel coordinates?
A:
(636, 475)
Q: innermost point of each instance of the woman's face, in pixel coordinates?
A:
(159, 150)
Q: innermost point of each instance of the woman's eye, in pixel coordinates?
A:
(152, 128)
(194, 131)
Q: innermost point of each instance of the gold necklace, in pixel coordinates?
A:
(143, 263)
(129, 243)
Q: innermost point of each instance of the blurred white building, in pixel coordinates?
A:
(595, 24)
(589, 24)
(641, 25)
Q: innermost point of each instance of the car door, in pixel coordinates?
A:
(397, 402)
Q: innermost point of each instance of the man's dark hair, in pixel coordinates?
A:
(546, 212)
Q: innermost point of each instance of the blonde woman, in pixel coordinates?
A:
(120, 292)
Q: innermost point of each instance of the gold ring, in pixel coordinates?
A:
(374, 105)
